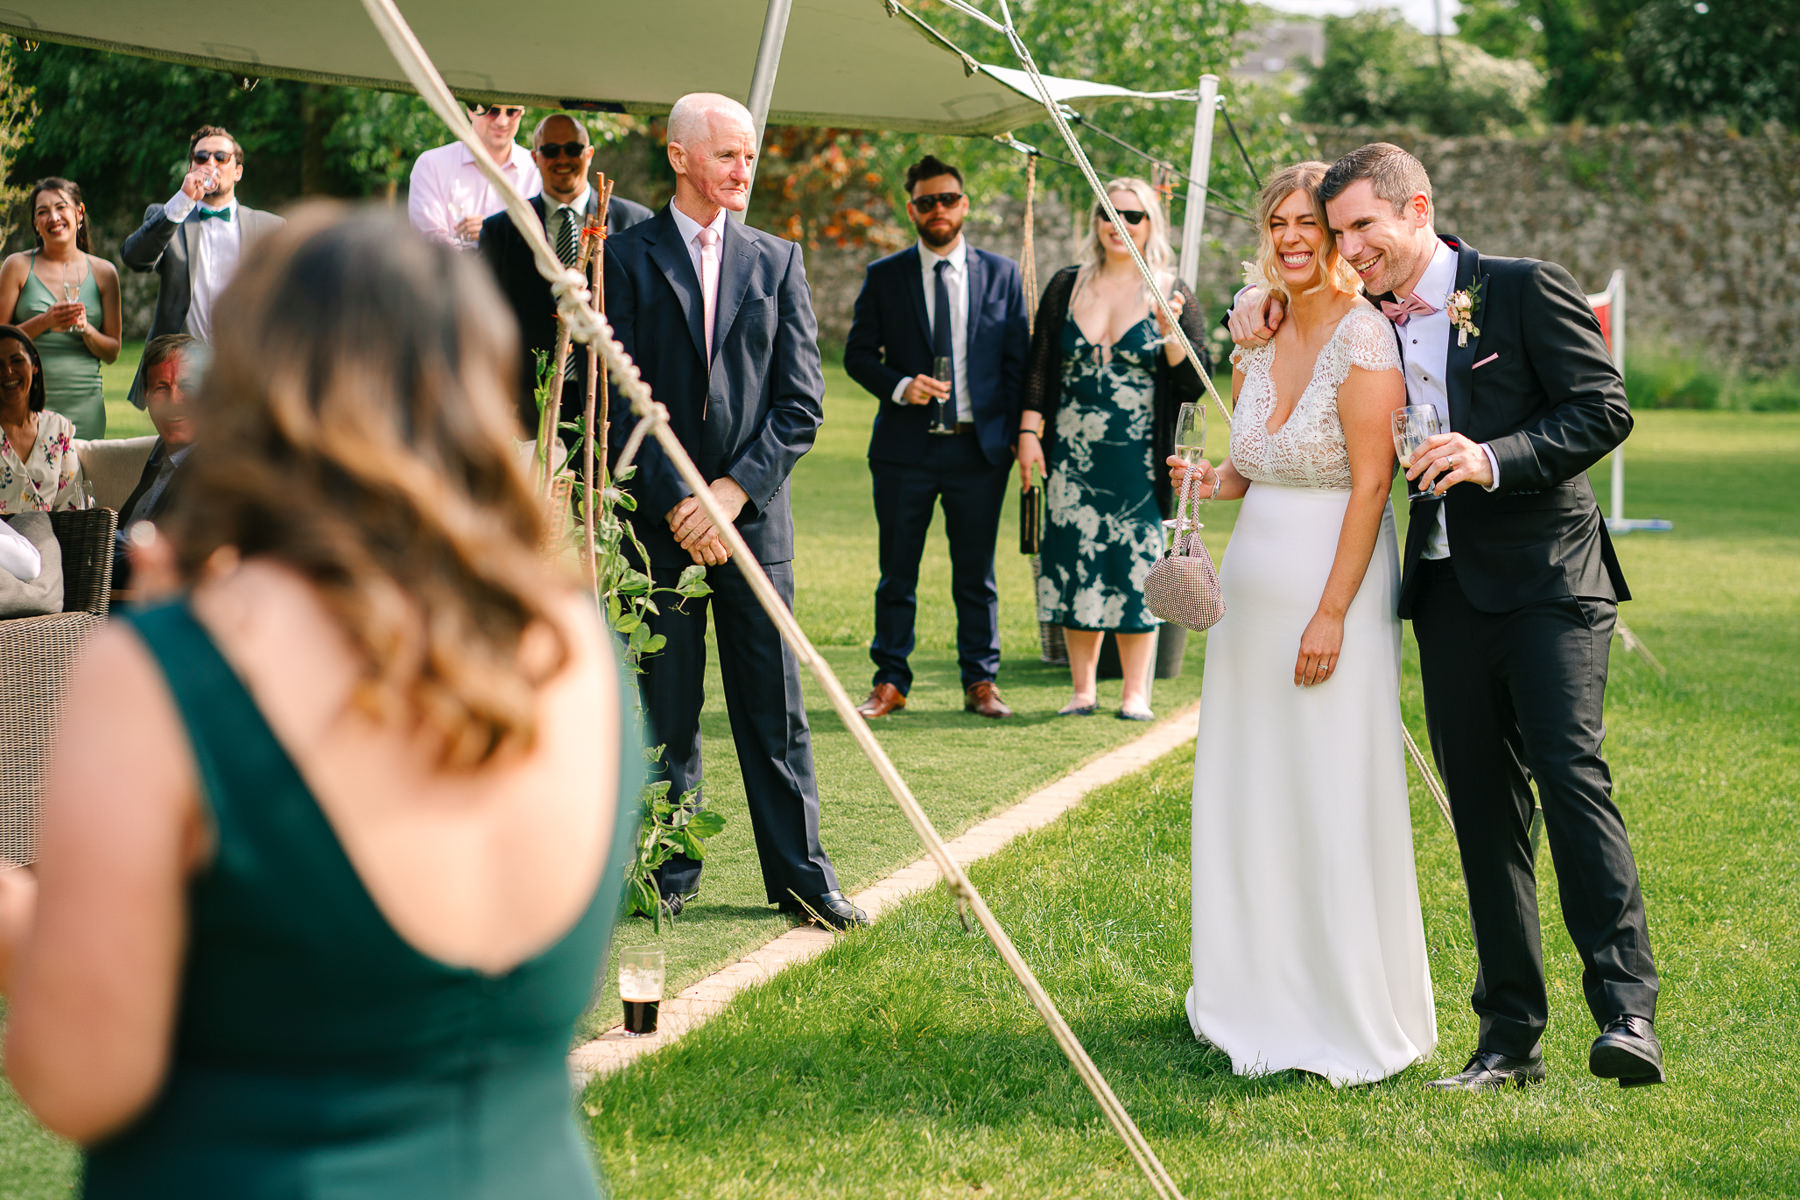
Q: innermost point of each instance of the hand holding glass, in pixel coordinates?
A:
(1413, 426)
(1190, 447)
(943, 412)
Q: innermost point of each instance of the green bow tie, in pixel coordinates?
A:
(224, 214)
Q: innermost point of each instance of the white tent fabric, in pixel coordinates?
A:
(857, 64)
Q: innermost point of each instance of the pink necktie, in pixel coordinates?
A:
(709, 281)
(1400, 311)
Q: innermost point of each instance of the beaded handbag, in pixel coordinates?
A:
(1183, 586)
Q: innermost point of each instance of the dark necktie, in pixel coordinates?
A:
(940, 325)
(565, 236)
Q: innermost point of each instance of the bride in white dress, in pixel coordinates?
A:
(1309, 952)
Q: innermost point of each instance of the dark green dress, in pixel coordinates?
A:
(317, 1054)
(1103, 528)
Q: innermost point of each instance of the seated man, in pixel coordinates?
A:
(171, 363)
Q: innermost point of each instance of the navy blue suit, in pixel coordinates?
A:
(914, 470)
(749, 409)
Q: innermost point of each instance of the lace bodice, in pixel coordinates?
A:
(1308, 450)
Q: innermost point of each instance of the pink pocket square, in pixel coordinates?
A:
(1484, 362)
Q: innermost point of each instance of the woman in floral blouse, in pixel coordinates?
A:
(38, 467)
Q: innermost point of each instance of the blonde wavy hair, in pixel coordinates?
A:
(357, 426)
(1157, 254)
(1262, 271)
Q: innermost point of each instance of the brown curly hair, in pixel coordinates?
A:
(357, 426)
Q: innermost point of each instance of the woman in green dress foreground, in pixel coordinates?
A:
(1103, 386)
(334, 840)
(68, 301)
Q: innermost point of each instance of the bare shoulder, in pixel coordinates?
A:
(103, 269)
(15, 266)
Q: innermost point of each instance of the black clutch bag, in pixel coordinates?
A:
(1031, 518)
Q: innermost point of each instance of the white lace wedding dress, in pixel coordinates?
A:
(1309, 952)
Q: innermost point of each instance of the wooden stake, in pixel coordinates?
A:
(593, 235)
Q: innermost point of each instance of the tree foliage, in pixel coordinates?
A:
(1379, 70)
(1738, 59)
(16, 113)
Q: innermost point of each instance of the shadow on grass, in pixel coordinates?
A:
(1511, 1151)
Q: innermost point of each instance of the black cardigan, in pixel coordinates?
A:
(1174, 385)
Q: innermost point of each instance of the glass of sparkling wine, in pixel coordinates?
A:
(640, 988)
(1190, 447)
(1414, 425)
(943, 414)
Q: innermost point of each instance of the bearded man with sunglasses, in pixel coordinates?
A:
(195, 239)
(562, 151)
(941, 299)
(449, 197)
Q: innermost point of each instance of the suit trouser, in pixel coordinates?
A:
(1510, 698)
(972, 491)
(761, 678)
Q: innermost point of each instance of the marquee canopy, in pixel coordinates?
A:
(860, 64)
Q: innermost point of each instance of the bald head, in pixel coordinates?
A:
(712, 147)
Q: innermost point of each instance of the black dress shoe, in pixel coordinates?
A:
(1489, 1070)
(1627, 1050)
(831, 909)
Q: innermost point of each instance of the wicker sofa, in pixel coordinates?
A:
(35, 654)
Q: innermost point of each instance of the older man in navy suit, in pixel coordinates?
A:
(939, 441)
(719, 320)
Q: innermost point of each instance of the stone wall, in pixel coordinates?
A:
(1704, 220)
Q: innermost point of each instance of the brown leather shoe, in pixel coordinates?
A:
(983, 699)
(886, 698)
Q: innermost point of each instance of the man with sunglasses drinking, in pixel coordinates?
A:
(194, 241)
(449, 197)
(941, 299)
(562, 151)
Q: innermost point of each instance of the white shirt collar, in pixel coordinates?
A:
(552, 206)
(690, 228)
(1439, 279)
(958, 257)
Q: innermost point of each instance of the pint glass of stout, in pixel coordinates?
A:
(641, 988)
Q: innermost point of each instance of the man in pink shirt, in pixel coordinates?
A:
(449, 196)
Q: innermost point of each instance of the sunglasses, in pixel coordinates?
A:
(219, 156)
(503, 111)
(1131, 216)
(931, 203)
(555, 149)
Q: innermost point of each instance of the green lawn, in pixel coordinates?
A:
(905, 1061)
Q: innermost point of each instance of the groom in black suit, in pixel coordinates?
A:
(1512, 587)
(719, 320)
(940, 298)
(562, 150)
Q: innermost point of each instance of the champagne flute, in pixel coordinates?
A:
(1413, 426)
(1190, 447)
(943, 415)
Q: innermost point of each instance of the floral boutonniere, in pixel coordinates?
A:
(1461, 307)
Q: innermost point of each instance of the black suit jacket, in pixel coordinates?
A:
(890, 340)
(1547, 399)
(161, 245)
(528, 294)
(750, 412)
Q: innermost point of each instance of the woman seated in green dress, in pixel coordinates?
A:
(334, 843)
(68, 301)
(1102, 390)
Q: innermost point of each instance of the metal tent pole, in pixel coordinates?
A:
(1199, 164)
(768, 63)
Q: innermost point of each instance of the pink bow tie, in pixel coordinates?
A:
(1400, 311)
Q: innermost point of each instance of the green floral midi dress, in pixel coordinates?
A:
(1103, 528)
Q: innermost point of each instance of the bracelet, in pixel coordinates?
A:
(1218, 482)
(1034, 433)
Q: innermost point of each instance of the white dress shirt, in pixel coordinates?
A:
(690, 237)
(213, 247)
(447, 186)
(958, 285)
(1425, 346)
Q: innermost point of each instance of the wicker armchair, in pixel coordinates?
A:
(35, 656)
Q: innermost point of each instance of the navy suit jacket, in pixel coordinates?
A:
(751, 408)
(890, 339)
(528, 294)
(1539, 386)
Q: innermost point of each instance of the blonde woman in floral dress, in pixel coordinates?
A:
(1102, 390)
(38, 468)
